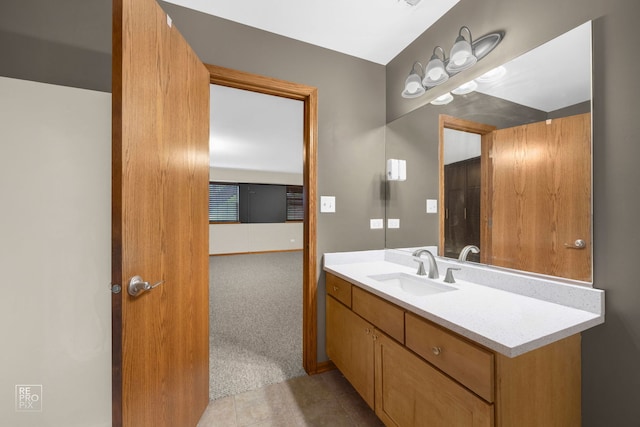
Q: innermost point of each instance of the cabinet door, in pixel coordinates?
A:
(350, 347)
(410, 392)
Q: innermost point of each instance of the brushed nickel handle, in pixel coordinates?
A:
(578, 244)
(138, 286)
(436, 350)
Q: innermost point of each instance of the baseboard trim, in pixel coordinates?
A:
(325, 367)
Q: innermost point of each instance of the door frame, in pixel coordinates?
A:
(486, 140)
(309, 96)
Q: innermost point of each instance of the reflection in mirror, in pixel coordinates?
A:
(523, 207)
(461, 204)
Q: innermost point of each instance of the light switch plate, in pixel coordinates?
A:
(375, 224)
(432, 206)
(327, 204)
(393, 223)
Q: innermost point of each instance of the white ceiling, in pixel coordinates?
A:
(267, 130)
(262, 132)
(375, 30)
(253, 131)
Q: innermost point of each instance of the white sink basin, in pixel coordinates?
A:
(413, 285)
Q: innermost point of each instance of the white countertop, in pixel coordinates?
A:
(505, 321)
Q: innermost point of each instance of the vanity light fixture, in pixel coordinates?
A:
(461, 56)
(464, 54)
(465, 88)
(443, 99)
(413, 85)
(435, 73)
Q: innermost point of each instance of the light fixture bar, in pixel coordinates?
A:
(464, 54)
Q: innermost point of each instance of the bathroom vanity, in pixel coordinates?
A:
(424, 352)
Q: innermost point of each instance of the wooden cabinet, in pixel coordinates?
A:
(339, 288)
(350, 347)
(467, 363)
(416, 373)
(411, 392)
(541, 387)
(386, 316)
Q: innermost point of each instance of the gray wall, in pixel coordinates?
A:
(350, 122)
(415, 137)
(65, 42)
(610, 352)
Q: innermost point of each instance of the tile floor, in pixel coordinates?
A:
(326, 399)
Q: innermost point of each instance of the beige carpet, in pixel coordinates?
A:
(255, 313)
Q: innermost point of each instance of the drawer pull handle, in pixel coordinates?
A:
(335, 289)
(436, 350)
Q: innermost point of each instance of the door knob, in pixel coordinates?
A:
(138, 286)
(578, 244)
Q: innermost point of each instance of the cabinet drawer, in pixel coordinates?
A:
(339, 288)
(384, 315)
(411, 392)
(469, 364)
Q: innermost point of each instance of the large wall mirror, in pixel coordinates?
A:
(509, 165)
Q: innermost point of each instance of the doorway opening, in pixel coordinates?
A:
(462, 185)
(308, 95)
(454, 224)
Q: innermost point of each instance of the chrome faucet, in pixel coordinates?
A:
(465, 251)
(433, 267)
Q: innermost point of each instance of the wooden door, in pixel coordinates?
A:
(462, 182)
(160, 226)
(541, 197)
(350, 347)
(455, 226)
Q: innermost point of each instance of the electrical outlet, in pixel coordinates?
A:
(375, 224)
(432, 206)
(393, 223)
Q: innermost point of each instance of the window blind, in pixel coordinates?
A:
(295, 208)
(223, 202)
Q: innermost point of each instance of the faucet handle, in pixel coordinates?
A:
(448, 278)
(421, 271)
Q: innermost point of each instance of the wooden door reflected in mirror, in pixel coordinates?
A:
(534, 197)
